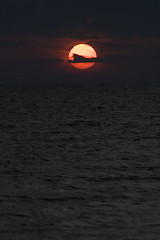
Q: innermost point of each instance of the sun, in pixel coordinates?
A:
(82, 56)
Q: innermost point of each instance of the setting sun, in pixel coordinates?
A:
(82, 56)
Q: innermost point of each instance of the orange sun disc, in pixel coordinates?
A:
(80, 54)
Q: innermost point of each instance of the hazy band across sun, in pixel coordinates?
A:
(81, 56)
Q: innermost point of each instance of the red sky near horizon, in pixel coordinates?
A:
(31, 56)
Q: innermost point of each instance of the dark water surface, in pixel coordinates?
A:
(80, 162)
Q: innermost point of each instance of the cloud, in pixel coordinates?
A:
(51, 60)
(126, 58)
(13, 43)
(78, 58)
(116, 58)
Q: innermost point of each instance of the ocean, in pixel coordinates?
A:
(80, 161)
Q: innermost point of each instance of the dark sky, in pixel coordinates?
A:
(36, 36)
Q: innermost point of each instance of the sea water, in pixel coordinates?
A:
(80, 161)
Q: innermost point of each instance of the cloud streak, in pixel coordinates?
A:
(78, 59)
(126, 58)
(115, 58)
(13, 43)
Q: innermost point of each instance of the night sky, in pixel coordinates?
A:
(36, 37)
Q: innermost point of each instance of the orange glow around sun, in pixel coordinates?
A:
(82, 50)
